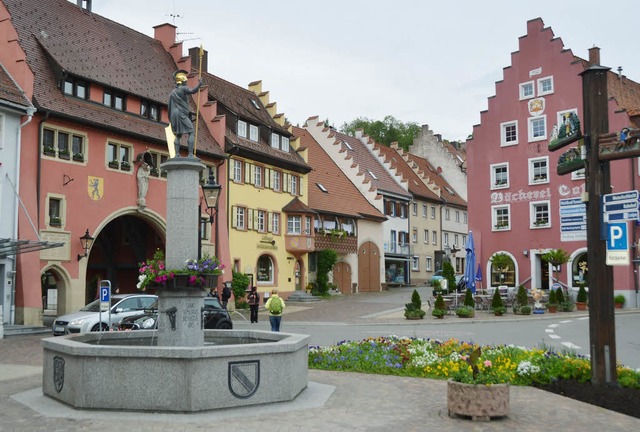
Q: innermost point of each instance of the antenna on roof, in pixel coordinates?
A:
(174, 15)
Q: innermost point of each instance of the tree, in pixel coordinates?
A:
(384, 131)
(327, 258)
(450, 275)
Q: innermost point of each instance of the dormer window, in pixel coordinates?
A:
(242, 129)
(149, 110)
(275, 141)
(280, 142)
(285, 144)
(253, 133)
(75, 87)
(113, 99)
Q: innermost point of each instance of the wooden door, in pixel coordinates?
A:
(369, 267)
(342, 277)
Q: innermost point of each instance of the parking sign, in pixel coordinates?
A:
(617, 244)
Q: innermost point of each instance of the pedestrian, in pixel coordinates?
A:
(226, 295)
(213, 292)
(275, 306)
(253, 298)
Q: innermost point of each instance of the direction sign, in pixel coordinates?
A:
(623, 216)
(621, 197)
(621, 206)
(573, 220)
(581, 219)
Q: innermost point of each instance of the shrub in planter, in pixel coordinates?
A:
(567, 306)
(414, 310)
(582, 296)
(437, 287)
(450, 275)
(468, 299)
(525, 310)
(439, 308)
(619, 300)
(552, 304)
(497, 304)
(465, 312)
(559, 295)
(522, 300)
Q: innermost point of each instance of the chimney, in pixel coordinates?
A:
(88, 2)
(594, 56)
(194, 53)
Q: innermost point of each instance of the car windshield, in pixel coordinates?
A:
(94, 306)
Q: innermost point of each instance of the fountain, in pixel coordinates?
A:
(180, 367)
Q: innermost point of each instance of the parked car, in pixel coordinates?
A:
(214, 317)
(88, 318)
(461, 283)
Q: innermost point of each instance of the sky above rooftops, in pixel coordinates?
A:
(428, 62)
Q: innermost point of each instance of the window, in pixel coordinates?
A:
(275, 140)
(293, 185)
(455, 240)
(545, 86)
(242, 129)
(403, 210)
(373, 176)
(459, 265)
(539, 214)
(116, 100)
(285, 144)
(426, 236)
(158, 159)
(119, 156)
(446, 239)
(275, 223)
(265, 269)
(261, 222)
(414, 209)
(465, 217)
(526, 90)
(391, 208)
(539, 170)
(66, 145)
(276, 180)
(253, 133)
(257, 176)
(240, 220)
(509, 133)
(500, 218)
(414, 235)
(149, 110)
(457, 217)
(424, 211)
(433, 212)
(237, 171)
(204, 222)
(294, 225)
(307, 226)
(499, 176)
(434, 238)
(538, 128)
(429, 262)
(447, 214)
(415, 263)
(55, 212)
(322, 188)
(75, 87)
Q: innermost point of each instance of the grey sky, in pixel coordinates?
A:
(430, 62)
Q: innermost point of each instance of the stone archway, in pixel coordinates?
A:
(369, 267)
(342, 277)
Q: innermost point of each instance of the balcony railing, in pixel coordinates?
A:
(398, 248)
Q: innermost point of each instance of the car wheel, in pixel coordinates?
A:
(96, 327)
(224, 325)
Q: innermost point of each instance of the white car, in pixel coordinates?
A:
(88, 318)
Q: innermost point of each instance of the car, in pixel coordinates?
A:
(89, 317)
(214, 317)
(436, 276)
(461, 283)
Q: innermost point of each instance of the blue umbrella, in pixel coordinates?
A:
(470, 267)
(479, 275)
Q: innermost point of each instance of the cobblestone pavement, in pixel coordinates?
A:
(333, 401)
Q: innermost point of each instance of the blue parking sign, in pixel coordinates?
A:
(105, 294)
(617, 239)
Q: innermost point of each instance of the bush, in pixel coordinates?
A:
(553, 297)
(437, 287)
(326, 259)
(414, 309)
(582, 296)
(559, 295)
(566, 306)
(497, 304)
(239, 286)
(619, 299)
(439, 308)
(521, 301)
(468, 299)
(450, 275)
(525, 310)
(465, 312)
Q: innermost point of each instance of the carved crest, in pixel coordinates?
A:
(95, 188)
(58, 373)
(244, 378)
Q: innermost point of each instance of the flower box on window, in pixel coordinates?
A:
(501, 183)
(125, 166)
(541, 222)
(49, 151)
(55, 221)
(155, 172)
(114, 164)
(64, 154)
(78, 157)
(501, 225)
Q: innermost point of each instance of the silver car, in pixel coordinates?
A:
(88, 318)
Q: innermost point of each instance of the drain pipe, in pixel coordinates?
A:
(635, 240)
(31, 110)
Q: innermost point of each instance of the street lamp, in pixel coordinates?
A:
(211, 193)
(86, 241)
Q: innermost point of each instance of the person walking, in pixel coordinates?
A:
(253, 298)
(226, 295)
(275, 305)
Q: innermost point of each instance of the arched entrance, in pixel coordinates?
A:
(342, 277)
(369, 267)
(119, 247)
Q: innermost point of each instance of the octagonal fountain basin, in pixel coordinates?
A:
(127, 371)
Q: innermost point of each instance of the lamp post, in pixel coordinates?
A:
(211, 193)
(86, 241)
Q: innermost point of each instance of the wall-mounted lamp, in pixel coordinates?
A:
(86, 241)
(525, 252)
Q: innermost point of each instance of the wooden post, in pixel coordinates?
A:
(601, 314)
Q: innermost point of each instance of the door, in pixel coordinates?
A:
(342, 277)
(369, 267)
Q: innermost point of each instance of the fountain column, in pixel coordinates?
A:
(180, 309)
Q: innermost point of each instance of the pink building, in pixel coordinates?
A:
(514, 192)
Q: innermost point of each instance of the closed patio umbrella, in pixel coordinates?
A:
(470, 267)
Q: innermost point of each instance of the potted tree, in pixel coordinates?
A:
(581, 298)
(497, 304)
(468, 308)
(413, 310)
(619, 300)
(439, 308)
(521, 306)
(552, 304)
(450, 275)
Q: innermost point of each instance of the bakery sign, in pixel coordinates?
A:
(536, 106)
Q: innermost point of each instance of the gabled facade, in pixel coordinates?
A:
(101, 94)
(515, 192)
(346, 221)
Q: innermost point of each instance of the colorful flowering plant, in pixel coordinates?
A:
(154, 272)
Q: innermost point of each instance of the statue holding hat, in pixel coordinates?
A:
(179, 114)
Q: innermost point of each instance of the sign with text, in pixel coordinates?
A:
(573, 220)
(617, 244)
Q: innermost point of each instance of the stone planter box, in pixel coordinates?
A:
(478, 401)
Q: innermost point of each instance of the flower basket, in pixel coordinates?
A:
(196, 273)
(481, 402)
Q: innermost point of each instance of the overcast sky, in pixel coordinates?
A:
(429, 62)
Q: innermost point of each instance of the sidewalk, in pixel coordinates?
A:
(333, 401)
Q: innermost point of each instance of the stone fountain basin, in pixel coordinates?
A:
(126, 371)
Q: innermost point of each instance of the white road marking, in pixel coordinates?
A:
(549, 330)
(570, 345)
(565, 322)
(554, 336)
(553, 325)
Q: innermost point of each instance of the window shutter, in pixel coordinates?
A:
(285, 182)
(247, 173)
(249, 219)
(252, 174)
(234, 217)
(256, 225)
(300, 187)
(267, 178)
(269, 222)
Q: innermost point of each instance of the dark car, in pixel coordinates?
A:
(214, 317)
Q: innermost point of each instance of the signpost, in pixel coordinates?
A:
(621, 206)
(573, 220)
(617, 244)
(105, 300)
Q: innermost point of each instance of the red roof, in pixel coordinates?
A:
(9, 90)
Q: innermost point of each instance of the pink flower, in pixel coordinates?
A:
(487, 363)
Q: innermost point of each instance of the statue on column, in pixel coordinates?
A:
(179, 114)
